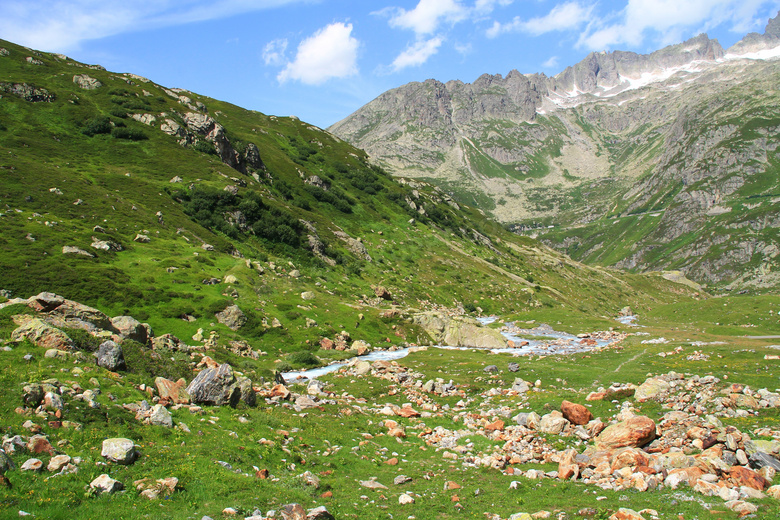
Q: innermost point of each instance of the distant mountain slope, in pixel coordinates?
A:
(681, 144)
(202, 217)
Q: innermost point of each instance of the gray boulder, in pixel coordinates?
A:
(215, 386)
(232, 317)
(160, 416)
(86, 82)
(131, 328)
(119, 450)
(111, 357)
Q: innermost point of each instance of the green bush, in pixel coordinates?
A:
(97, 125)
(303, 358)
(83, 340)
(150, 364)
(128, 133)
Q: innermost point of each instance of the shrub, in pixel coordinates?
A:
(150, 364)
(128, 133)
(83, 340)
(303, 358)
(97, 125)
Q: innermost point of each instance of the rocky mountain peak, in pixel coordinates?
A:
(773, 26)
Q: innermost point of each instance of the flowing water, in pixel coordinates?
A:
(550, 342)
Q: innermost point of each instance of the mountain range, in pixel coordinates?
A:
(646, 162)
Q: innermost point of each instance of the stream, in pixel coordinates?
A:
(550, 342)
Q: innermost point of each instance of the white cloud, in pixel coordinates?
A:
(426, 17)
(487, 6)
(417, 53)
(667, 21)
(551, 63)
(330, 53)
(562, 17)
(274, 52)
(61, 25)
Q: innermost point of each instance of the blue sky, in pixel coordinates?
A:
(323, 59)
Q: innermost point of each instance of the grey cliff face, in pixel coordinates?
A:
(681, 134)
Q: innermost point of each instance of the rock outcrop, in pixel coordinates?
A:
(458, 331)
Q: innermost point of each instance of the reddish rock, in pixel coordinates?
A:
(262, 474)
(576, 413)
(510, 344)
(175, 393)
(39, 444)
(280, 391)
(408, 411)
(495, 426)
(634, 432)
(746, 477)
(596, 396)
(326, 344)
(568, 471)
(452, 485)
(626, 514)
(392, 462)
(207, 362)
(327, 494)
(629, 458)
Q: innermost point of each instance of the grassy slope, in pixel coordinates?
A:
(422, 264)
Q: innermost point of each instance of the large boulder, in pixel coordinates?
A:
(633, 432)
(232, 317)
(110, 356)
(576, 413)
(40, 333)
(459, 331)
(119, 450)
(86, 82)
(215, 386)
(651, 388)
(130, 328)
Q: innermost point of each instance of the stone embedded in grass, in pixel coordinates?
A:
(372, 484)
(131, 328)
(105, 484)
(153, 489)
(651, 388)
(32, 465)
(405, 499)
(43, 335)
(111, 357)
(174, 392)
(58, 462)
(160, 416)
(232, 317)
(119, 450)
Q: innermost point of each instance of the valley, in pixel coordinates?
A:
(171, 264)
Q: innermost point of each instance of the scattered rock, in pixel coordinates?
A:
(105, 484)
(119, 450)
(634, 432)
(576, 413)
(232, 317)
(110, 356)
(86, 82)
